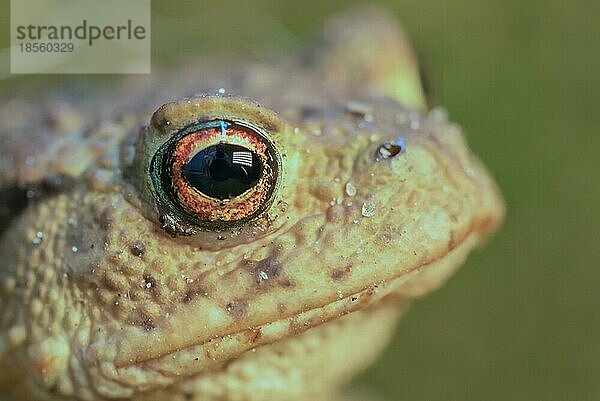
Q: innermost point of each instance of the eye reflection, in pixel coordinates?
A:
(223, 171)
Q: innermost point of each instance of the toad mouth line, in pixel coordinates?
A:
(275, 330)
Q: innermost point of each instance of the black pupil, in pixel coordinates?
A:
(223, 171)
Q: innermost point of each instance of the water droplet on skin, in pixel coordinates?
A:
(350, 189)
(262, 276)
(368, 209)
(39, 236)
(469, 171)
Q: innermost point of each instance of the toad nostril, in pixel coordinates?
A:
(390, 150)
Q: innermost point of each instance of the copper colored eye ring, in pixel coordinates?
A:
(201, 209)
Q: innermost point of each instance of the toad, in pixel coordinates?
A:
(256, 237)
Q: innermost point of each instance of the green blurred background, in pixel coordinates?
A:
(520, 321)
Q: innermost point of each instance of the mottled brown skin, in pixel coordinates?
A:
(99, 301)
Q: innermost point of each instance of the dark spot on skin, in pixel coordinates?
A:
(148, 324)
(237, 308)
(254, 334)
(366, 296)
(194, 290)
(14, 199)
(341, 273)
(267, 272)
(137, 248)
(105, 220)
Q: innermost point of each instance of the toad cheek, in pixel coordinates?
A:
(419, 201)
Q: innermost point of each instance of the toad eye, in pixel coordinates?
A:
(217, 173)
